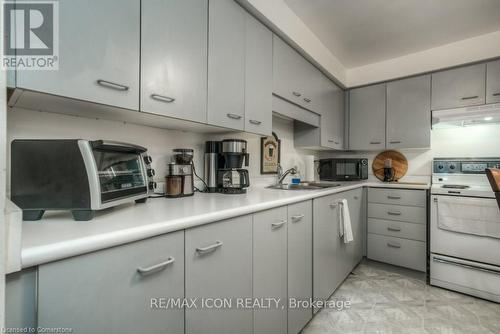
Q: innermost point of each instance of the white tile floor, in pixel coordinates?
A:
(387, 299)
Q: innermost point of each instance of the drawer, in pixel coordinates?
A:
(412, 214)
(397, 229)
(397, 196)
(401, 252)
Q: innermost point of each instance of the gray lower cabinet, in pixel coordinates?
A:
(270, 269)
(258, 77)
(98, 54)
(460, 87)
(219, 265)
(409, 113)
(114, 290)
(21, 299)
(493, 82)
(226, 64)
(300, 223)
(174, 58)
(354, 249)
(367, 107)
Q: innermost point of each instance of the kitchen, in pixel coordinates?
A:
(221, 166)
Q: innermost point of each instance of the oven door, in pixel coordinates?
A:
(466, 228)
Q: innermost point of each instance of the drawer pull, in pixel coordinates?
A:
(278, 225)
(334, 205)
(331, 140)
(496, 94)
(356, 197)
(394, 229)
(296, 94)
(393, 197)
(234, 116)
(468, 266)
(307, 100)
(394, 213)
(162, 98)
(208, 249)
(112, 85)
(393, 245)
(375, 142)
(470, 97)
(297, 218)
(395, 142)
(156, 268)
(255, 122)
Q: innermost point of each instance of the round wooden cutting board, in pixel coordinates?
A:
(399, 164)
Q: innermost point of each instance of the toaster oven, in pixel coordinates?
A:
(78, 175)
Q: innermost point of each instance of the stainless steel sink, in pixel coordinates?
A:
(304, 186)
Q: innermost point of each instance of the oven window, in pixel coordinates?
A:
(119, 171)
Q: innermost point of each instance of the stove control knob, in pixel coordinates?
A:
(151, 172)
(152, 185)
(452, 167)
(440, 167)
(148, 160)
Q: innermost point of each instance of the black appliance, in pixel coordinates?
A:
(77, 175)
(343, 169)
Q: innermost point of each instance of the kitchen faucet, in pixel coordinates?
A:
(280, 176)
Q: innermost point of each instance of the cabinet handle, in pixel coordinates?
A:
(297, 217)
(336, 143)
(255, 122)
(278, 225)
(331, 140)
(334, 205)
(394, 229)
(439, 260)
(470, 97)
(394, 213)
(395, 142)
(356, 197)
(208, 249)
(307, 100)
(375, 142)
(393, 197)
(496, 94)
(234, 116)
(112, 85)
(162, 98)
(393, 245)
(296, 94)
(156, 268)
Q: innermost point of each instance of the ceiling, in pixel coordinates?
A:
(360, 32)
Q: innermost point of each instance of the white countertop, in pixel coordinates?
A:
(58, 236)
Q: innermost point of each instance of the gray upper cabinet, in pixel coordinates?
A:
(258, 77)
(174, 58)
(493, 82)
(98, 54)
(332, 117)
(219, 265)
(226, 64)
(270, 269)
(300, 222)
(460, 87)
(367, 106)
(110, 291)
(409, 113)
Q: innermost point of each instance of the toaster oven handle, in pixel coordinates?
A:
(116, 146)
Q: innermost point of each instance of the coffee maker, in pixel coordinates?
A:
(223, 166)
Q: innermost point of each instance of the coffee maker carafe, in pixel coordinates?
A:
(231, 178)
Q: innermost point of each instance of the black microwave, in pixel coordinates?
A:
(343, 169)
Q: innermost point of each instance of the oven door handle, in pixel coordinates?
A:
(116, 146)
(467, 266)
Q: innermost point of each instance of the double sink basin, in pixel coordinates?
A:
(304, 186)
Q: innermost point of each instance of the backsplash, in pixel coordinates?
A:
(29, 124)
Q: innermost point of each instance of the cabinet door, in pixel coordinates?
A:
(464, 86)
(354, 249)
(98, 54)
(367, 118)
(332, 116)
(270, 269)
(409, 113)
(258, 77)
(327, 248)
(174, 58)
(219, 265)
(299, 263)
(104, 292)
(226, 64)
(493, 82)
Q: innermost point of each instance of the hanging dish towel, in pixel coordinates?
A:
(478, 216)
(345, 227)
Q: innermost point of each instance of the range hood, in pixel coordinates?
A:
(466, 116)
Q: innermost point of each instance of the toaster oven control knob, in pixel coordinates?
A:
(152, 185)
(151, 172)
(148, 160)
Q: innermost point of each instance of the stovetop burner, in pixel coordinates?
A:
(455, 186)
